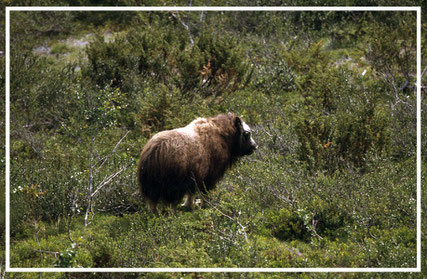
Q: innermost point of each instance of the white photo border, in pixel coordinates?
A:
(204, 8)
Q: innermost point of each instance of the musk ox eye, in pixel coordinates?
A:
(246, 134)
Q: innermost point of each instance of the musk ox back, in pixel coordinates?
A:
(183, 161)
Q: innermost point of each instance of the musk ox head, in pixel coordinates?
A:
(184, 161)
(247, 144)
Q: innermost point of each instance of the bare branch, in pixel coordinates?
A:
(47, 252)
(227, 216)
(106, 181)
(313, 227)
(424, 71)
(185, 26)
(113, 151)
(71, 214)
(92, 172)
(37, 239)
(89, 205)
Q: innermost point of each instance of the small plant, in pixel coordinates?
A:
(288, 225)
(67, 258)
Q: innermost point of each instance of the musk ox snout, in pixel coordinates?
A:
(191, 159)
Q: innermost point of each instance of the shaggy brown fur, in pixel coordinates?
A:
(182, 161)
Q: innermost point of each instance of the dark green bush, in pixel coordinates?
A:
(213, 61)
(391, 52)
(275, 77)
(66, 258)
(335, 120)
(288, 225)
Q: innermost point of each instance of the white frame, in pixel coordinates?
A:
(121, 8)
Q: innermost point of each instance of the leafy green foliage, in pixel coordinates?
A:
(66, 258)
(286, 225)
(335, 120)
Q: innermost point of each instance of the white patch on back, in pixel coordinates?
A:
(188, 130)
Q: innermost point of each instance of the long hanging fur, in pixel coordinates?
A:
(182, 161)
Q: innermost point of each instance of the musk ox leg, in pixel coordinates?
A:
(152, 206)
(189, 200)
(200, 202)
(173, 208)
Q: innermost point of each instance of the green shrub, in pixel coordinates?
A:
(66, 258)
(289, 225)
(214, 65)
(391, 51)
(335, 121)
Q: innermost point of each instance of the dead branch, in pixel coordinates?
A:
(106, 181)
(105, 159)
(174, 14)
(227, 216)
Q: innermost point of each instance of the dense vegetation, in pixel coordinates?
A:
(331, 98)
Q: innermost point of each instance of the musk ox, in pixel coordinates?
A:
(184, 161)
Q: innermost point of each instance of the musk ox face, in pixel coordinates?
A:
(184, 161)
(247, 143)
